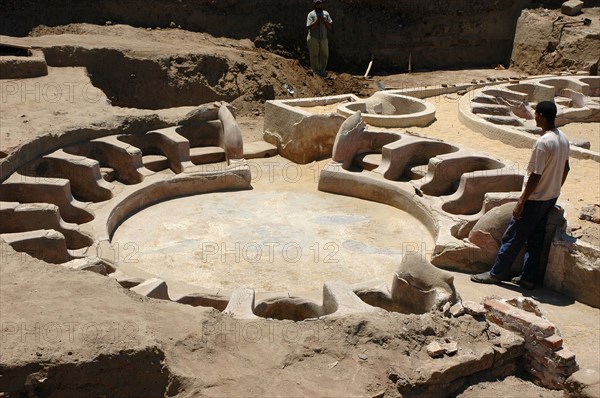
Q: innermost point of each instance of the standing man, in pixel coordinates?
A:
(546, 173)
(318, 23)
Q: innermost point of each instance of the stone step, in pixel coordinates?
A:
(155, 163)
(83, 173)
(124, 158)
(259, 149)
(503, 120)
(444, 171)
(57, 191)
(153, 288)
(207, 154)
(46, 245)
(469, 197)
(491, 109)
(18, 218)
(165, 142)
(400, 156)
(369, 161)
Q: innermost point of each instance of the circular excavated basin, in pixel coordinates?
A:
(272, 241)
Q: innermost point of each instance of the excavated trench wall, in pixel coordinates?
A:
(136, 82)
(435, 34)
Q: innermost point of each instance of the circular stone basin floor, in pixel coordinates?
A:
(271, 241)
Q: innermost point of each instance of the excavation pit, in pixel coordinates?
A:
(18, 62)
(267, 240)
(150, 165)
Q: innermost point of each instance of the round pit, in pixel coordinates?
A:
(272, 241)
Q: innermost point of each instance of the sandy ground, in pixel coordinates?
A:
(584, 132)
(305, 367)
(63, 100)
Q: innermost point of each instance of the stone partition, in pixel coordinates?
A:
(455, 190)
(505, 112)
(574, 269)
(304, 129)
(65, 205)
(464, 198)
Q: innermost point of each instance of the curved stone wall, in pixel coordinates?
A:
(505, 111)
(390, 109)
(445, 186)
(62, 207)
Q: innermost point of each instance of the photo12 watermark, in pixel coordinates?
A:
(68, 332)
(275, 171)
(50, 92)
(267, 331)
(268, 252)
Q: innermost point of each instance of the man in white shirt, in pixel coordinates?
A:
(546, 173)
(318, 22)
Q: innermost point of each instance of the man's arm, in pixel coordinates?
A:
(532, 183)
(321, 18)
(565, 173)
(326, 21)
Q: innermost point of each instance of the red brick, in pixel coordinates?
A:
(564, 355)
(526, 323)
(549, 366)
(554, 342)
(492, 318)
(535, 348)
(546, 378)
(496, 305)
(533, 323)
(541, 359)
(568, 370)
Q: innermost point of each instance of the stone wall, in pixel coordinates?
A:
(574, 269)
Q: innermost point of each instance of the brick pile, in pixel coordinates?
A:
(545, 357)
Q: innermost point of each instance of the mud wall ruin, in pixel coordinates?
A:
(454, 33)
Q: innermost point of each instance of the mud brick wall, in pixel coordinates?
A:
(546, 358)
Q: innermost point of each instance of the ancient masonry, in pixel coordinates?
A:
(545, 356)
(505, 111)
(63, 207)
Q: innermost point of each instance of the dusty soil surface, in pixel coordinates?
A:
(583, 132)
(131, 345)
(118, 339)
(520, 388)
(148, 69)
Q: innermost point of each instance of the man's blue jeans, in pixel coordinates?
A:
(530, 230)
